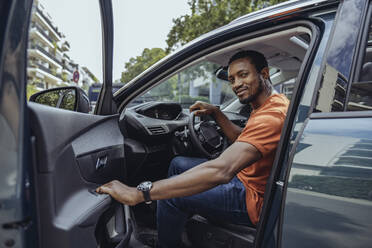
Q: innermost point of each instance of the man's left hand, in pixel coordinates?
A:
(121, 192)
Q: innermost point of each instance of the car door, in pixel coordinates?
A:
(53, 159)
(328, 184)
(16, 216)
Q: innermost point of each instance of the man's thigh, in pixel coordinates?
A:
(225, 202)
(181, 164)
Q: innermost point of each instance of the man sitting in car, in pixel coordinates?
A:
(231, 187)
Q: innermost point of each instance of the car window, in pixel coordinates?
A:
(64, 51)
(337, 70)
(195, 83)
(360, 98)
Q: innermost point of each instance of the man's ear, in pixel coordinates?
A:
(265, 73)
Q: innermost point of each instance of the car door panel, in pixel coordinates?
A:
(73, 154)
(329, 185)
(82, 210)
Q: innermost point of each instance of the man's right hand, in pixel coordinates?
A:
(231, 130)
(203, 108)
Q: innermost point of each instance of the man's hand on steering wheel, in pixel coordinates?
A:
(202, 108)
(206, 134)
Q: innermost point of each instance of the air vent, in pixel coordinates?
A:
(156, 130)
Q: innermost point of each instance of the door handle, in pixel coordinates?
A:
(101, 162)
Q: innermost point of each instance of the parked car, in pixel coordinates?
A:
(319, 193)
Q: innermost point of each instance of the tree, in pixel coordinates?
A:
(207, 15)
(140, 63)
(31, 89)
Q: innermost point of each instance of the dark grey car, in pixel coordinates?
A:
(319, 193)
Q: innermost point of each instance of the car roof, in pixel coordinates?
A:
(280, 9)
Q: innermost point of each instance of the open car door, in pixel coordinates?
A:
(71, 154)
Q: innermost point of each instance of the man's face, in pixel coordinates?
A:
(245, 80)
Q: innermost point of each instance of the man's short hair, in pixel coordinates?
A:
(256, 58)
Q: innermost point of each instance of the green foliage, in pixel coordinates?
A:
(68, 101)
(64, 77)
(55, 47)
(95, 79)
(140, 63)
(163, 91)
(31, 89)
(48, 98)
(51, 98)
(207, 15)
(201, 70)
(53, 71)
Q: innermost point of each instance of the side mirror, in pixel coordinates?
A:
(69, 98)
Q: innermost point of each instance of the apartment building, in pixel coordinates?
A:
(49, 64)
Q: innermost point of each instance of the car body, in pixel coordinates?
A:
(319, 190)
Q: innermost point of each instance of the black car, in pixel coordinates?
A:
(319, 193)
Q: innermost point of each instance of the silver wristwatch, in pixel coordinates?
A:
(145, 188)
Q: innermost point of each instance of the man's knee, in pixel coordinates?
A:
(168, 206)
(177, 166)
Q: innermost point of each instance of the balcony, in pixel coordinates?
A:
(46, 53)
(46, 19)
(43, 32)
(50, 76)
(65, 46)
(67, 69)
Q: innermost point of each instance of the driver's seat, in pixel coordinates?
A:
(209, 234)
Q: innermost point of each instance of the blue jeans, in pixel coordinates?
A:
(225, 203)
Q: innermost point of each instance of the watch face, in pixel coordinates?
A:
(144, 186)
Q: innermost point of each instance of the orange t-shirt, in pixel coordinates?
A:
(263, 131)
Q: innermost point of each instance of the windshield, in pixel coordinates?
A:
(196, 83)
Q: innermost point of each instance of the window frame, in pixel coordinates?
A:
(361, 46)
(359, 55)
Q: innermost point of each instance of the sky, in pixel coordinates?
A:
(138, 24)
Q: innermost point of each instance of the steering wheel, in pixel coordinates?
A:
(206, 137)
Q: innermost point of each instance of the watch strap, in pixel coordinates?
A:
(146, 195)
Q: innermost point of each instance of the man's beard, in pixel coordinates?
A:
(253, 97)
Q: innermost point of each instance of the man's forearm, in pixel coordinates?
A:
(193, 181)
(231, 130)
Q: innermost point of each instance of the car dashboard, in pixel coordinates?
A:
(153, 119)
